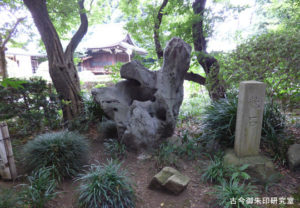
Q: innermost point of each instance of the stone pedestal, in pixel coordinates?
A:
(248, 131)
(260, 167)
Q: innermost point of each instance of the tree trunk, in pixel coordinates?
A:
(61, 66)
(157, 23)
(3, 70)
(209, 63)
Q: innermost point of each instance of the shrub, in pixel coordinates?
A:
(115, 148)
(108, 129)
(231, 191)
(105, 186)
(65, 151)
(40, 190)
(32, 104)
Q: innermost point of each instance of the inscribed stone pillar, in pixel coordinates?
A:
(249, 118)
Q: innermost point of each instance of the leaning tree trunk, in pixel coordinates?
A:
(209, 63)
(61, 66)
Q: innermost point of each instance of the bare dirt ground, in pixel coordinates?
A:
(197, 195)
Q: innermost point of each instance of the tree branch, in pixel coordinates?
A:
(190, 76)
(157, 24)
(11, 32)
(80, 32)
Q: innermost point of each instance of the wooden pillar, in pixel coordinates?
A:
(6, 153)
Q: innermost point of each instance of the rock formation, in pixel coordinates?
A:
(145, 106)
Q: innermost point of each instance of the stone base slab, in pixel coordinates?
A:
(260, 167)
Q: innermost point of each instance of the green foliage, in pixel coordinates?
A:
(190, 148)
(229, 178)
(219, 120)
(168, 153)
(272, 58)
(40, 190)
(234, 190)
(195, 98)
(30, 105)
(105, 186)
(115, 72)
(65, 151)
(13, 82)
(190, 107)
(8, 198)
(115, 148)
(108, 129)
(178, 18)
(236, 172)
(92, 113)
(165, 155)
(275, 137)
(216, 171)
(13, 10)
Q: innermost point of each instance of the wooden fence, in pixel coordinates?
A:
(7, 162)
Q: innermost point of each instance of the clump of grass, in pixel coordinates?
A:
(230, 193)
(66, 152)
(8, 198)
(165, 155)
(40, 190)
(275, 138)
(219, 120)
(105, 186)
(216, 171)
(115, 148)
(190, 148)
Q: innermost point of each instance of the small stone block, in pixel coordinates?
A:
(177, 183)
(160, 178)
(170, 179)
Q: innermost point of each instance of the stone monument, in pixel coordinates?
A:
(248, 131)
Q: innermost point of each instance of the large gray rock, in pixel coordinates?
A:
(294, 156)
(145, 106)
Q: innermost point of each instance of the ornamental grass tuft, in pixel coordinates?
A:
(105, 186)
(65, 152)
